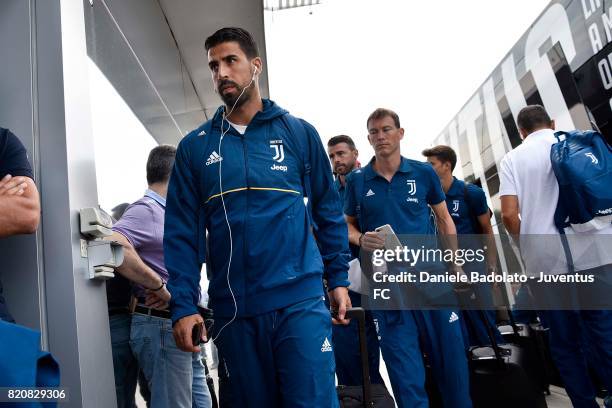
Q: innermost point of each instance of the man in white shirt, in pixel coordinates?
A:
(529, 193)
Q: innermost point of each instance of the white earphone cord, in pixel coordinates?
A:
(229, 228)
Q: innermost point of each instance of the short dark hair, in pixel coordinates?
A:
(118, 210)
(533, 117)
(241, 36)
(443, 153)
(342, 139)
(159, 163)
(381, 113)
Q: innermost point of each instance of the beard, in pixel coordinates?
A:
(235, 99)
(344, 169)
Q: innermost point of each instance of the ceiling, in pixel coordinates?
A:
(152, 52)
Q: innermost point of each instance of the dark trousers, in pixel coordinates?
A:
(579, 335)
(282, 358)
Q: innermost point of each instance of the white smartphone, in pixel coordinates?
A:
(391, 240)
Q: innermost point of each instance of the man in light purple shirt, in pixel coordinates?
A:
(140, 230)
(142, 225)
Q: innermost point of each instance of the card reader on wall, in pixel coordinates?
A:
(103, 256)
(95, 223)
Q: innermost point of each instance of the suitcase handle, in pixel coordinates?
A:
(509, 311)
(358, 313)
(470, 292)
(489, 329)
(491, 335)
(496, 349)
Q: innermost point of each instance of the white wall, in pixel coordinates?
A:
(122, 144)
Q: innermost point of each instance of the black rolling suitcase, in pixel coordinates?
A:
(370, 395)
(498, 378)
(540, 335)
(552, 375)
(533, 338)
(534, 360)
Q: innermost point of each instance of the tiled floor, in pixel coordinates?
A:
(558, 398)
(140, 403)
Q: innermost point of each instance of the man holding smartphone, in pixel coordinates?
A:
(397, 191)
(241, 179)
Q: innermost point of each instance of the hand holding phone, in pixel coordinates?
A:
(182, 331)
(196, 334)
(391, 240)
(371, 241)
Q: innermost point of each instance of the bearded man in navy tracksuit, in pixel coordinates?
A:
(242, 178)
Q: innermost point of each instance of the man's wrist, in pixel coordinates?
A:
(361, 239)
(337, 284)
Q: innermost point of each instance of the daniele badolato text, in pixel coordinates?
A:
(475, 258)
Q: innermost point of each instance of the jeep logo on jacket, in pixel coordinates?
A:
(275, 260)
